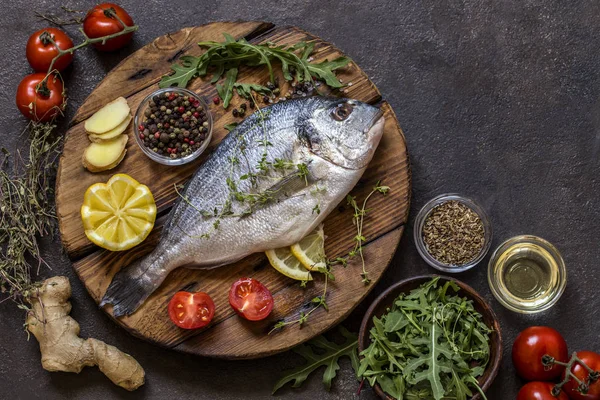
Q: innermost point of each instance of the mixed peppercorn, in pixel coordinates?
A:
(174, 125)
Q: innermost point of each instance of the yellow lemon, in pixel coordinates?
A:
(310, 251)
(284, 261)
(118, 214)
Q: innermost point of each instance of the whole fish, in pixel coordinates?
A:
(268, 184)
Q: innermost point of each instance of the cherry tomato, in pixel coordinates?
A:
(40, 101)
(250, 299)
(592, 360)
(41, 51)
(191, 310)
(539, 391)
(103, 20)
(529, 348)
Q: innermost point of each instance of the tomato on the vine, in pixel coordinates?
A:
(191, 310)
(105, 19)
(40, 50)
(592, 360)
(529, 348)
(250, 299)
(539, 391)
(40, 99)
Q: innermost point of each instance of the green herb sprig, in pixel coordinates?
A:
(225, 59)
(317, 302)
(26, 210)
(358, 220)
(430, 344)
(328, 355)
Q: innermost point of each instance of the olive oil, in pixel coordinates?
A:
(527, 274)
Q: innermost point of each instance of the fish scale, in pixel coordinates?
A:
(334, 138)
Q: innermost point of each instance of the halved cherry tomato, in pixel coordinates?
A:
(191, 310)
(592, 360)
(539, 391)
(40, 50)
(529, 348)
(250, 299)
(103, 20)
(40, 100)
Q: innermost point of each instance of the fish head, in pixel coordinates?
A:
(344, 132)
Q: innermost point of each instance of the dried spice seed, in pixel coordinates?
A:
(169, 119)
(453, 233)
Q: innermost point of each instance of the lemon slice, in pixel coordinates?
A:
(284, 261)
(118, 214)
(310, 251)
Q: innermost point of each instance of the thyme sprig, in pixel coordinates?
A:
(26, 210)
(358, 220)
(316, 302)
(61, 21)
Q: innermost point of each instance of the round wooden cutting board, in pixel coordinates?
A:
(229, 336)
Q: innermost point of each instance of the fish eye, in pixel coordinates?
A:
(342, 111)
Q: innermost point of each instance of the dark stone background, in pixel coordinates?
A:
(498, 100)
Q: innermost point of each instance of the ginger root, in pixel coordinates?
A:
(61, 347)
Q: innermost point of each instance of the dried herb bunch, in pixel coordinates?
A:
(26, 209)
(453, 233)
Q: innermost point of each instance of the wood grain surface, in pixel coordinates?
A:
(229, 336)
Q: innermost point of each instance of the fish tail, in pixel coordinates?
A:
(132, 285)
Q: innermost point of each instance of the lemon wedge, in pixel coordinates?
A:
(284, 261)
(119, 214)
(310, 251)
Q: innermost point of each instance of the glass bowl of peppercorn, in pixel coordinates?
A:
(452, 233)
(173, 126)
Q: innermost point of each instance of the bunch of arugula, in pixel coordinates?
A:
(430, 345)
(224, 59)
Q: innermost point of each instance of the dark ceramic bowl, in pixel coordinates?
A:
(385, 300)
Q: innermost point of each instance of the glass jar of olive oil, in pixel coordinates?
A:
(527, 274)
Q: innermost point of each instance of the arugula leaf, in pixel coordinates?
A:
(226, 92)
(328, 356)
(435, 365)
(223, 58)
(183, 73)
(460, 387)
(230, 127)
(245, 89)
(431, 344)
(324, 70)
(395, 321)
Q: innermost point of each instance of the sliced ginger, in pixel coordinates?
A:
(108, 117)
(61, 347)
(105, 155)
(113, 133)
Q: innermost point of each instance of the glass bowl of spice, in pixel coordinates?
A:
(452, 233)
(173, 126)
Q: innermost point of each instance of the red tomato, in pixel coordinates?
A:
(250, 299)
(40, 50)
(102, 21)
(191, 310)
(592, 360)
(40, 101)
(539, 391)
(529, 348)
